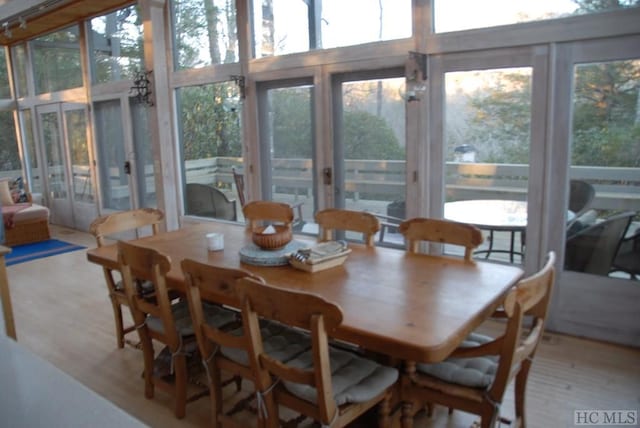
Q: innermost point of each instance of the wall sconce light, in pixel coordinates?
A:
(240, 81)
(141, 89)
(7, 32)
(416, 75)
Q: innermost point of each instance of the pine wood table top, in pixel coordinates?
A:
(408, 306)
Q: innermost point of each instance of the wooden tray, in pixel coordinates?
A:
(321, 265)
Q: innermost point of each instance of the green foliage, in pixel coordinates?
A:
(292, 123)
(57, 60)
(9, 156)
(606, 119)
(501, 120)
(369, 137)
(4, 76)
(366, 136)
(587, 6)
(210, 121)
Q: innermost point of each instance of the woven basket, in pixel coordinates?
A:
(273, 241)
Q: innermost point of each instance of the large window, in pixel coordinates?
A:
(4, 76)
(370, 155)
(210, 141)
(35, 173)
(56, 61)
(205, 33)
(287, 147)
(288, 26)
(487, 145)
(605, 166)
(482, 14)
(19, 55)
(9, 156)
(116, 43)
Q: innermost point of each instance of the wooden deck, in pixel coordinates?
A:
(63, 314)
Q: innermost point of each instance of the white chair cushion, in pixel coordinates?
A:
(354, 379)
(279, 341)
(214, 315)
(476, 372)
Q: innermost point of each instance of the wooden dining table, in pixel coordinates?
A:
(409, 306)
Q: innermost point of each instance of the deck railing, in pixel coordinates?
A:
(616, 188)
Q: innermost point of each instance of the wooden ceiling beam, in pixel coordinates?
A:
(53, 17)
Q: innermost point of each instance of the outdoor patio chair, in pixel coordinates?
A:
(204, 200)
(593, 249)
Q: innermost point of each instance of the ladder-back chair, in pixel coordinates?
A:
(134, 222)
(332, 219)
(163, 320)
(329, 385)
(475, 376)
(224, 349)
(417, 230)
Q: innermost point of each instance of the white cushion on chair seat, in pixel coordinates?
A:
(279, 341)
(214, 315)
(354, 379)
(476, 372)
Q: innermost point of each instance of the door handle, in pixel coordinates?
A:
(327, 176)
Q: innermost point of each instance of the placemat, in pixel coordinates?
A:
(254, 255)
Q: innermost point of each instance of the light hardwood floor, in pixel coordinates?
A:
(62, 313)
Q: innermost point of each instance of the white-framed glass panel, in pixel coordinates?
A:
(486, 152)
(287, 26)
(448, 16)
(5, 91)
(287, 147)
(56, 61)
(204, 33)
(145, 170)
(9, 156)
(19, 69)
(82, 184)
(370, 152)
(116, 45)
(209, 131)
(111, 155)
(605, 170)
(31, 151)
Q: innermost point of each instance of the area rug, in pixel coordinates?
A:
(38, 250)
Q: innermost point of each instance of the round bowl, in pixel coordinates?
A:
(272, 241)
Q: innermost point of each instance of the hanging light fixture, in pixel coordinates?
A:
(416, 75)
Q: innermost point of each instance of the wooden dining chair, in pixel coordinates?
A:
(332, 219)
(238, 179)
(259, 212)
(331, 386)
(163, 320)
(134, 222)
(416, 230)
(224, 349)
(475, 376)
